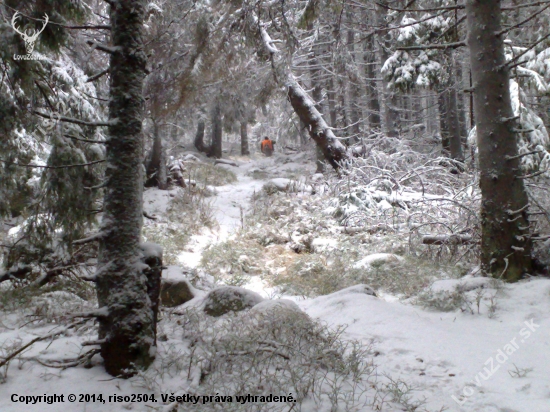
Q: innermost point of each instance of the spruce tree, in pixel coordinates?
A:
(506, 241)
(126, 297)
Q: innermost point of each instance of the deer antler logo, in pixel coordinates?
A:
(30, 35)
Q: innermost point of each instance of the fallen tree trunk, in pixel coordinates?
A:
(304, 107)
(448, 240)
(318, 129)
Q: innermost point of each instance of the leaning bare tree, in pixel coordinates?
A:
(506, 243)
(304, 107)
(127, 286)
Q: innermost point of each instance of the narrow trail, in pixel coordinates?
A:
(233, 201)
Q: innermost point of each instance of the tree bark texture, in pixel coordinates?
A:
(505, 241)
(443, 126)
(335, 152)
(391, 114)
(331, 97)
(455, 139)
(303, 106)
(244, 138)
(320, 160)
(127, 321)
(215, 149)
(354, 83)
(156, 164)
(317, 95)
(162, 170)
(199, 138)
(369, 58)
(453, 124)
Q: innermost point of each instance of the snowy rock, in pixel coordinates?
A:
(176, 292)
(267, 306)
(376, 258)
(226, 299)
(175, 273)
(281, 310)
(151, 250)
(191, 158)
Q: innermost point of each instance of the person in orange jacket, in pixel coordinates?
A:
(267, 146)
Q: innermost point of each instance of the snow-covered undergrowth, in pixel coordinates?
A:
(271, 349)
(308, 237)
(312, 239)
(412, 194)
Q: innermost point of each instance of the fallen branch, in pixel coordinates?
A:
(70, 363)
(51, 167)
(148, 216)
(226, 162)
(448, 240)
(92, 238)
(52, 273)
(38, 339)
(57, 117)
(370, 229)
(98, 75)
(19, 272)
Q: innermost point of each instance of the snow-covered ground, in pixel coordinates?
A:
(460, 361)
(497, 360)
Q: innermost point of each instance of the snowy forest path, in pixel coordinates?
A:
(233, 201)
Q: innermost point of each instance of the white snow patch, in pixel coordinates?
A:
(376, 257)
(441, 353)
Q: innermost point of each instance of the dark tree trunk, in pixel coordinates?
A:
(461, 102)
(341, 104)
(471, 95)
(126, 301)
(391, 104)
(317, 90)
(152, 258)
(443, 126)
(303, 134)
(215, 149)
(162, 172)
(320, 161)
(331, 95)
(245, 151)
(354, 83)
(156, 165)
(369, 58)
(505, 238)
(454, 126)
(199, 138)
(354, 114)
